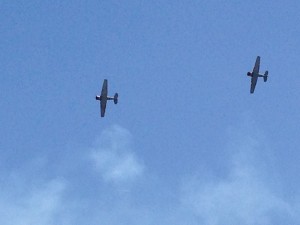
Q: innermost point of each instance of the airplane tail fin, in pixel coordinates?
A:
(266, 76)
(116, 98)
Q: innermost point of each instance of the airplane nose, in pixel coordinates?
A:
(98, 97)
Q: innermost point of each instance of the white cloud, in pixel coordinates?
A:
(239, 199)
(41, 205)
(245, 196)
(37, 195)
(114, 158)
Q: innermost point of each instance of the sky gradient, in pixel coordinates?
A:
(186, 144)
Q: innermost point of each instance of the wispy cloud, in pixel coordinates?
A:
(246, 195)
(29, 196)
(113, 156)
(40, 205)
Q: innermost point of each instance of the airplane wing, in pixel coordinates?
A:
(104, 88)
(253, 84)
(256, 66)
(103, 97)
(103, 107)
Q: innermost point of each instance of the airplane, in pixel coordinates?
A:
(103, 98)
(255, 74)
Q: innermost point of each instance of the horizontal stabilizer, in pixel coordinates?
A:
(266, 76)
(116, 98)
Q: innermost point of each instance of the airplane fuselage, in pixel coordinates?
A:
(254, 77)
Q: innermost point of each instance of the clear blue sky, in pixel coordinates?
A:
(187, 143)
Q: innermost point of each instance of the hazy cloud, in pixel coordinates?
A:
(245, 195)
(74, 196)
(42, 204)
(114, 158)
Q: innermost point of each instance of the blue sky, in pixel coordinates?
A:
(186, 144)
